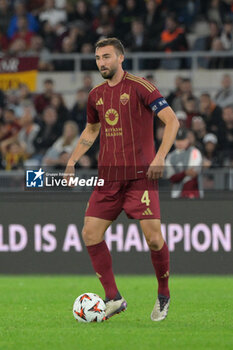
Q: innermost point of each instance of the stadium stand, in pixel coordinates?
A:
(31, 124)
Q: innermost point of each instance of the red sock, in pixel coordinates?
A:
(160, 261)
(102, 264)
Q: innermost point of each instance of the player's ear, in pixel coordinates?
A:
(121, 58)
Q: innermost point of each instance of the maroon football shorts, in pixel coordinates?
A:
(138, 198)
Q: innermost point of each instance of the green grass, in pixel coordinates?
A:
(36, 313)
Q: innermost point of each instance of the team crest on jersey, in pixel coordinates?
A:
(124, 98)
(111, 116)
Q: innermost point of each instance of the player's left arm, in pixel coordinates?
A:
(171, 122)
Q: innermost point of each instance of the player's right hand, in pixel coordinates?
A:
(69, 174)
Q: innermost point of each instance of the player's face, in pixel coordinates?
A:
(108, 61)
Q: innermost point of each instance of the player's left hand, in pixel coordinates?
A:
(156, 168)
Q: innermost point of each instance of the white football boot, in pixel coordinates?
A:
(160, 309)
(114, 307)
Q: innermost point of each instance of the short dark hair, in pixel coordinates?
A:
(116, 43)
(48, 81)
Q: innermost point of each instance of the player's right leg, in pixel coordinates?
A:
(93, 233)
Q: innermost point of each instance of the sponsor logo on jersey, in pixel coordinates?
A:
(124, 98)
(111, 116)
(100, 102)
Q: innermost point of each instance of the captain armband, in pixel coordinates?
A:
(158, 105)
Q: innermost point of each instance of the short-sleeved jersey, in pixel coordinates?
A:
(126, 113)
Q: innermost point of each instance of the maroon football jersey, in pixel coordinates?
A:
(126, 113)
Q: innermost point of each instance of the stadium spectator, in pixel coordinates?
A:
(50, 130)
(81, 14)
(227, 34)
(173, 38)
(13, 156)
(183, 166)
(107, 31)
(78, 111)
(214, 12)
(192, 138)
(51, 14)
(185, 10)
(23, 31)
(49, 36)
(182, 117)
(17, 47)
(20, 10)
(43, 100)
(5, 15)
(204, 43)
(199, 129)
(177, 92)
(87, 83)
(10, 125)
(210, 112)
(218, 61)
(190, 107)
(153, 19)
(27, 134)
(104, 17)
(225, 134)
(137, 38)
(68, 46)
(214, 32)
(224, 96)
(88, 64)
(130, 12)
(23, 103)
(211, 156)
(61, 33)
(57, 101)
(185, 92)
(78, 36)
(37, 48)
(65, 143)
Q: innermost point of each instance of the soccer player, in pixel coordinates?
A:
(122, 107)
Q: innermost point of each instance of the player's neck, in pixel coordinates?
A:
(116, 78)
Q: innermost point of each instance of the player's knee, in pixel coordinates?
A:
(87, 235)
(155, 242)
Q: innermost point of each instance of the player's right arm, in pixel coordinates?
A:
(85, 141)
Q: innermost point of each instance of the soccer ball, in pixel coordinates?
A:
(89, 307)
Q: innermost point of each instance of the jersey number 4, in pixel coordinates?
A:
(145, 198)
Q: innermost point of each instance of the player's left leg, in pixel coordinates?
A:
(160, 260)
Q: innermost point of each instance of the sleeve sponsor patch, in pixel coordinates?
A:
(158, 104)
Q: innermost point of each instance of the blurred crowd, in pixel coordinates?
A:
(40, 27)
(207, 119)
(39, 129)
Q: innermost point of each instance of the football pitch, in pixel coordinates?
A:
(36, 313)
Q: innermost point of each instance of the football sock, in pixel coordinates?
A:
(160, 261)
(102, 263)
